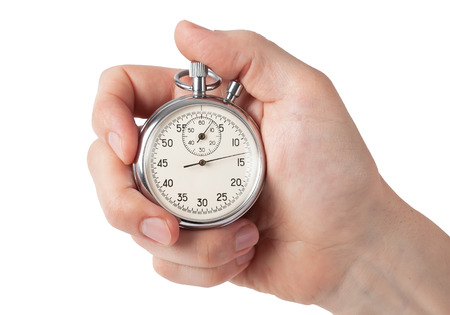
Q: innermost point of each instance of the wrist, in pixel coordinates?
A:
(401, 268)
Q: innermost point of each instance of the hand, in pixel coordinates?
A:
(201, 136)
(203, 162)
(324, 209)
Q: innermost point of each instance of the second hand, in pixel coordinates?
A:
(203, 162)
(202, 135)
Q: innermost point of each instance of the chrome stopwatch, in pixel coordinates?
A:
(201, 157)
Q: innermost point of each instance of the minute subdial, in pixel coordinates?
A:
(201, 136)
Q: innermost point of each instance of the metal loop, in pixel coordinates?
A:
(188, 87)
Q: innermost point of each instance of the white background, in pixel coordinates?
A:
(389, 60)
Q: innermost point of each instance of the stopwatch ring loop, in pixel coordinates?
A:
(188, 87)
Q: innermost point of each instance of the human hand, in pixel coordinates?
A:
(323, 206)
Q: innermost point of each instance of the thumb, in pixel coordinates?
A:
(267, 71)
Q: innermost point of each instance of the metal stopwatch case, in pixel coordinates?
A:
(201, 157)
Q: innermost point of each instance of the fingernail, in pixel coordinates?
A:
(246, 237)
(116, 144)
(157, 230)
(245, 258)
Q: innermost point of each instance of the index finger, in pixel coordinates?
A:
(126, 92)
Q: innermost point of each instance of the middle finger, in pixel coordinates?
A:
(206, 248)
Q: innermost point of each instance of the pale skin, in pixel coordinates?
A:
(327, 229)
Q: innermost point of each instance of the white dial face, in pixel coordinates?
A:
(203, 162)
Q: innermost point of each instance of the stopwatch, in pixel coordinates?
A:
(201, 157)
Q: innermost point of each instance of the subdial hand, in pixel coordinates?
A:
(202, 135)
(203, 162)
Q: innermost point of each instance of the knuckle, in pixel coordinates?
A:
(108, 75)
(174, 272)
(322, 80)
(251, 37)
(212, 278)
(313, 86)
(205, 257)
(210, 252)
(202, 277)
(92, 154)
(160, 267)
(105, 74)
(115, 213)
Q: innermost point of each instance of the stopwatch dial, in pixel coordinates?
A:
(204, 163)
(201, 136)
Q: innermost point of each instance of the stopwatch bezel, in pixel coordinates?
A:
(139, 165)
